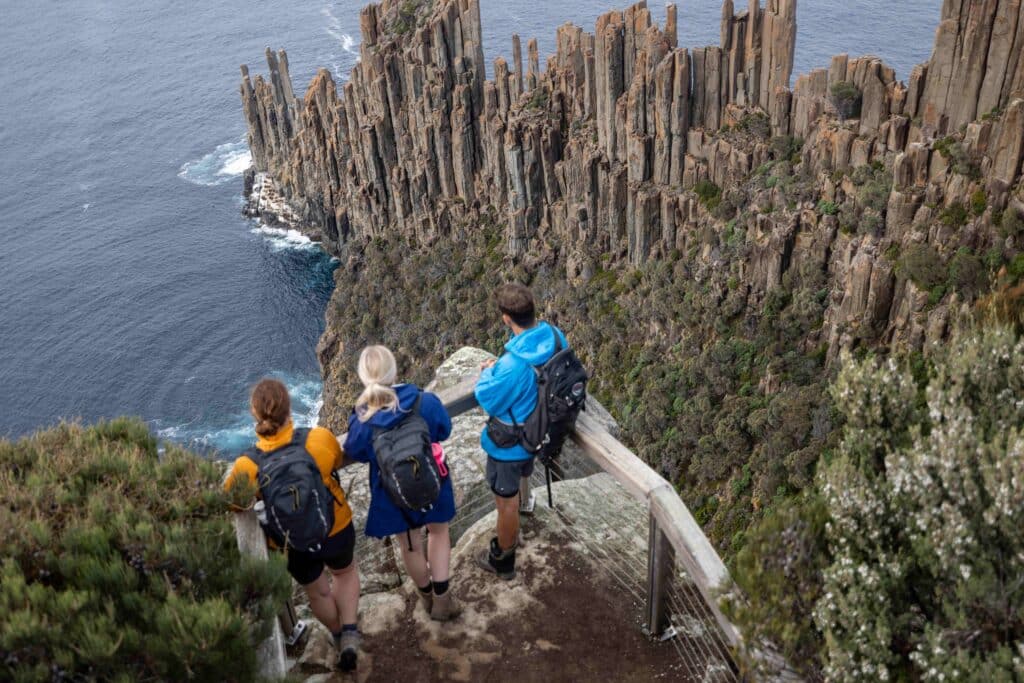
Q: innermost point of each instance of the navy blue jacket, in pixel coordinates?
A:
(384, 517)
(510, 385)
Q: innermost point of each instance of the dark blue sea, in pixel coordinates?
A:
(129, 281)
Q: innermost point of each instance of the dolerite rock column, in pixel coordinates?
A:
(607, 142)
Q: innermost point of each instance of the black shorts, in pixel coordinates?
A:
(336, 553)
(503, 476)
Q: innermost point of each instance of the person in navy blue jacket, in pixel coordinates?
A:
(383, 404)
(507, 391)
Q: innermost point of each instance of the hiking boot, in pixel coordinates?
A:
(498, 561)
(445, 607)
(426, 599)
(348, 650)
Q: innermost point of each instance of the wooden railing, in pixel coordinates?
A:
(674, 533)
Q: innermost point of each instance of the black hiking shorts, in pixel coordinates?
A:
(503, 476)
(336, 553)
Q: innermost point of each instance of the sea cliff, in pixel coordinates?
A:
(711, 237)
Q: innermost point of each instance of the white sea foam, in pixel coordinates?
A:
(336, 31)
(281, 239)
(235, 163)
(236, 433)
(226, 162)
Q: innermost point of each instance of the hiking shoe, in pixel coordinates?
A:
(426, 599)
(498, 561)
(445, 607)
(348, 650)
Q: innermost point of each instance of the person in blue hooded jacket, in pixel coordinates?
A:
(507, 391)
(382, 405)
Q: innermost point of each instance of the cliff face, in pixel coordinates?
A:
(605, 146)
(710, 238)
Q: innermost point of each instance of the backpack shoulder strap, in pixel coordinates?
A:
(416, 404)
(299, 436)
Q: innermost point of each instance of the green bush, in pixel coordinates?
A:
(827, 208)
(926, 502)
(955, 215)
(847, 99)
(710, 195)
(979, 202)
(1012, 224)
(960, 160)
(779, 575)
(121, 564)
(923, 265)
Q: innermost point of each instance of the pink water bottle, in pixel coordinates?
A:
(439, 458)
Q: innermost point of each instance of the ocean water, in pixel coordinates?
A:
(129, 281)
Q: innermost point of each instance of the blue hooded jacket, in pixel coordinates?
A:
(511, 384)
(384, 518)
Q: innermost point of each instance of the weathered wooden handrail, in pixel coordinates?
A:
(671, 516)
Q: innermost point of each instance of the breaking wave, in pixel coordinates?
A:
(226, 162)
(235, 433)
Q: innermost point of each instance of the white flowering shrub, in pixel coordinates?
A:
(926, 531)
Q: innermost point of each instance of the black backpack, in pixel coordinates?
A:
(561, 394)
(408, 470)
(298, 506)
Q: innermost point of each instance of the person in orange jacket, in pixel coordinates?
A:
(334, 598)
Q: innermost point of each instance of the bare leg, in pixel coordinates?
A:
(345, 593)
(439, 551)
(323, 604)
(508, 521)
(415, 561)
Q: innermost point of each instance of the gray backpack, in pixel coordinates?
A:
(408, 470)
(299, 508)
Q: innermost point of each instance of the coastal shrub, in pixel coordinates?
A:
(120, 562)
(954, 215)
(925, 497)
(960, 160)
(923, 265)
(709, 194)
(1012, 225)
(827, 208)
(847, 98)
(979, 202)
(966, 272)
(779, 574)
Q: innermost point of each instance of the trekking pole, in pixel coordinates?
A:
(547, 475)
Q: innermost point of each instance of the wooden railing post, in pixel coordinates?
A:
(253, 543)
(660, 569)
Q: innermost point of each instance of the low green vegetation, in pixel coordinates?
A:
(964, 272)
(847, 99)
(959, 159)
(907, 551)
(120, 563)
(710, 195)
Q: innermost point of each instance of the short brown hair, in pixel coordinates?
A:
(271, 406)
(516, 301)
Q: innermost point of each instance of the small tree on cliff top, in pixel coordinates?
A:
(847, 98)
(120, 564)
(926, 503)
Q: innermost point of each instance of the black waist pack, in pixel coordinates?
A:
(502, 434)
